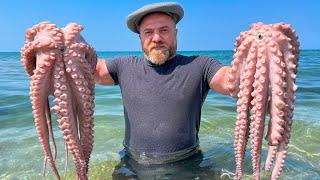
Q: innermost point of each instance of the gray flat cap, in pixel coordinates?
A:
(171, 8)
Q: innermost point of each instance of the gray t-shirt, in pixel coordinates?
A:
(162, 104)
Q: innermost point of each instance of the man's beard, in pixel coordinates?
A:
(160, 56)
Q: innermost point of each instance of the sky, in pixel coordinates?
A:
(207, 24)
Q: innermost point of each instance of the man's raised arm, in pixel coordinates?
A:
(101, 74)
(219, 81)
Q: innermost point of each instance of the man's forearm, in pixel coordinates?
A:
(101, 74)
(220, 80)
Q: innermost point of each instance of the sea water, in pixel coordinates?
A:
(21, 156)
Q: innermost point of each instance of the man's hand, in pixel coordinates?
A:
(219, 81)
(101, 75)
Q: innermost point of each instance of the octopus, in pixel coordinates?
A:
(262, 78)
(60, 63)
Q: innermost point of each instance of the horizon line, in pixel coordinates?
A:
(177, 51)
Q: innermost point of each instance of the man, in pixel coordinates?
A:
(163, 91)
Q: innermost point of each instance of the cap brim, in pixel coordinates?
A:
(170, 8)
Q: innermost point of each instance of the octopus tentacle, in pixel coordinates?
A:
(272, 150)
(283, 147)
(243, 104)
(291, 88)
(290, 52)
(277, 122)
(37, 61)
(237, 67)
(258, 110)
(291, 36)
(66, 156)
(81, 76)
(44, 166)
(49, 123)
(289, 46)
(50, 131)
(51, 40)
(39, 111)
(65, 114)
(30, 49)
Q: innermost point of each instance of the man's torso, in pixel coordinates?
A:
(162, 104)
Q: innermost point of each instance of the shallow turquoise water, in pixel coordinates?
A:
(21, 156)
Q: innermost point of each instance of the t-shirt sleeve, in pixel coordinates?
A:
(114, 67)
(211, 67)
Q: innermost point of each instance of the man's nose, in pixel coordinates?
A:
(156, 37)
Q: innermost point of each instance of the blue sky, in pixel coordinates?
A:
(207, 25)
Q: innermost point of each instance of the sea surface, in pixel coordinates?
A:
(21, 156)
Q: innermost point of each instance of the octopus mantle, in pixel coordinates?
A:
(262, 78)
(60, 63)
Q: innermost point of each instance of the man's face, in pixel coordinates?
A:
(158, 37)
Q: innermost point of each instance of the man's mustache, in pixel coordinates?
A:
(158, 46)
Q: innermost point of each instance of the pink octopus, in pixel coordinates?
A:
(60, 63)
(262, 78)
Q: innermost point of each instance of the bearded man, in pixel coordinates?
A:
(162, 92)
